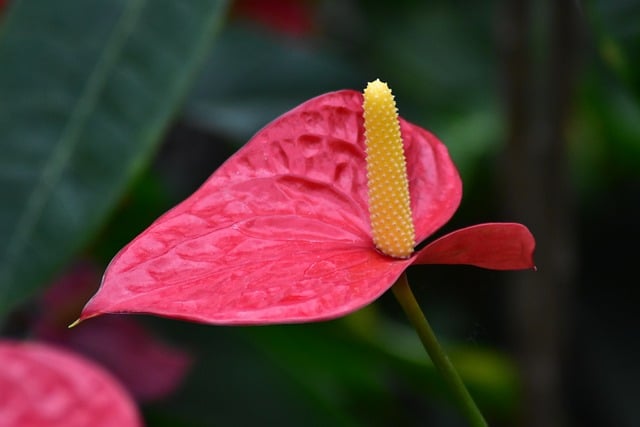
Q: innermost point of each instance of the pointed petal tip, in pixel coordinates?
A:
(84, 315)
(75, 323)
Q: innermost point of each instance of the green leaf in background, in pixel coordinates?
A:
(604, 134)
(617, 34)
(86, 90)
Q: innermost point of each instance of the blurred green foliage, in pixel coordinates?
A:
(112, 111)
(87, 91)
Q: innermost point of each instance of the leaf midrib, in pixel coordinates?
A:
(55, 165)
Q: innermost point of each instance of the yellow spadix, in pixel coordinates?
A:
(388, 185)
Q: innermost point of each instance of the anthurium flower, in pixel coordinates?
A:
(42, 385)
(148, 367)
(282, 233)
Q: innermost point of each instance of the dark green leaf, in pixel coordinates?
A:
(86, 90)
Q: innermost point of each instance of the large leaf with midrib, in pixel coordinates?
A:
(86, 91)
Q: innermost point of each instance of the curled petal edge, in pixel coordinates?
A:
(494, 246)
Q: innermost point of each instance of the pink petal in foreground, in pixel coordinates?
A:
(496, 246)
(280, 233)
(41, 385)
(149, 368)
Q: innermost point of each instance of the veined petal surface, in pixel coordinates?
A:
(280, 232)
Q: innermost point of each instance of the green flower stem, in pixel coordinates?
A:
(405, 297)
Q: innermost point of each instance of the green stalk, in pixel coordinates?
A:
(441, 361)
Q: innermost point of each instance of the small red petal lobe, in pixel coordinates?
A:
(435, 186)
(42, 385)
(495, 246)
(280, 233)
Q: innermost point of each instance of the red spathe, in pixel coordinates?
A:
(280, 233)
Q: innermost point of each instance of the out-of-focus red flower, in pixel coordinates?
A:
(42, 385)
(281, 232)
(290, 17)
(149, 368)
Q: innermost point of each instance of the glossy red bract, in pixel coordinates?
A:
(280, 233)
